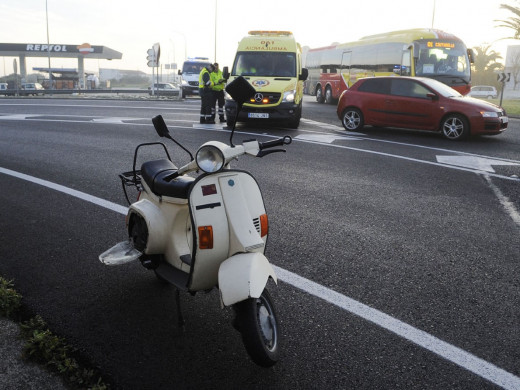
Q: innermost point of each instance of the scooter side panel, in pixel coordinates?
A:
(207, 209)
(240, 198)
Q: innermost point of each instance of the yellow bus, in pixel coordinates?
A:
(417, 52)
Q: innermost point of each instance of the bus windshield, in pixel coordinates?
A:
(265, 64)
(436, 58)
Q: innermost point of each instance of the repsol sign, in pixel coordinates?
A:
(41, 48)
(53, 48)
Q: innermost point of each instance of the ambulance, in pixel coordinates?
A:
(271, 62)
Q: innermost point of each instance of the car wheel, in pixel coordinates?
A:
(455, 127)
(352, 119)
(328, 95)
(319, 95)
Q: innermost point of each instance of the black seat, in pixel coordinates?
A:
(154, 173)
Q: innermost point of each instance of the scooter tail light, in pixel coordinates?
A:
(205, 237)
(264, 225)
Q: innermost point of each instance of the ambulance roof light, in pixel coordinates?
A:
(273, 33)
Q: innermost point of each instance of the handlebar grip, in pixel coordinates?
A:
(277, 142)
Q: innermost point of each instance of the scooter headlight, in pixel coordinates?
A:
(210, 159)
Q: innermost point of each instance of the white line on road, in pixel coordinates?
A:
(445, 350)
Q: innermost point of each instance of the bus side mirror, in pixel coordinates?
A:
(225, 73)
(471, 55)
(179, 72)
(305, 73)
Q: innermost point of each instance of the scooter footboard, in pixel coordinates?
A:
(244, 276)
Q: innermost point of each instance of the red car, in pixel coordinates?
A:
(418, 103)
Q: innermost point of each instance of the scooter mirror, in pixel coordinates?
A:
(240, 90)
(160, 126)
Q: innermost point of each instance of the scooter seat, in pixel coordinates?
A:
(154, 174)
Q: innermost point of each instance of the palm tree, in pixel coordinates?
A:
(486, 65)
(513, 22)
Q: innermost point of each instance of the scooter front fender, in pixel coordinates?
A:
(244, 276)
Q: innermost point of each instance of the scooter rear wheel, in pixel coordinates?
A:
(258, 324)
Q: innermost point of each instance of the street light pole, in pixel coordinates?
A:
(48, 45)
(215, 57)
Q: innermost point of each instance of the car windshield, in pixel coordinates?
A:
(441, 88)
(265, 64)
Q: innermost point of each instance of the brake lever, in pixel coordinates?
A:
(264, 152)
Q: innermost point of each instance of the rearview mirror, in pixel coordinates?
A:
(304, 74)
(432, 96)
(160, 126)
(225, 73)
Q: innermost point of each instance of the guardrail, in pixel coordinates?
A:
(14, 92)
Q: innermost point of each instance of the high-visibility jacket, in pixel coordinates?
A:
(216, 77)
(205, 79)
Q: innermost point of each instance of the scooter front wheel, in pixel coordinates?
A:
(258, 324)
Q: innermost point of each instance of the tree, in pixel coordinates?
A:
(486, 65)
(513, 22)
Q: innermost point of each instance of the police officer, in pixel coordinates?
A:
(206, 94)
(218, 92)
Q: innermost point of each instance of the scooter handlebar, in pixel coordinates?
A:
(277, 142)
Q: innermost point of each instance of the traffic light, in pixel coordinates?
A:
(151, 58)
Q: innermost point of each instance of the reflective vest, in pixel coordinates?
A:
(215, 78)
(207, 82)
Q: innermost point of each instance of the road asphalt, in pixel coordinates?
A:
(16, 373)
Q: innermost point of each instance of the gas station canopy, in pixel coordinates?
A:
(84, 50)
(81, 52)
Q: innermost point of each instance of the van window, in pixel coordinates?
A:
(265, 64)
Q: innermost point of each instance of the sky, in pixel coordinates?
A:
(213, 28)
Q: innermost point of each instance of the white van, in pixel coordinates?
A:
(485, 91)
(190, 75)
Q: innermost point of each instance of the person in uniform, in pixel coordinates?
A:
(206, 94)
(218, 92)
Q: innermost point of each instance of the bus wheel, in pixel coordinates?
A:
(328, 95)
(319, 95)
(352, 119)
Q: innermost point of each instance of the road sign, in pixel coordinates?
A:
(504, 77)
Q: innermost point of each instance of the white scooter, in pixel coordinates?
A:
(209, 231)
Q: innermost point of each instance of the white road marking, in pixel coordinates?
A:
(423, 339)
(322, 137)
(505, 202)
(474, 162)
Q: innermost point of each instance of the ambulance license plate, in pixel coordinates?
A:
(260, 115)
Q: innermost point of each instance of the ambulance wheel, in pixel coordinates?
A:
(257, 321)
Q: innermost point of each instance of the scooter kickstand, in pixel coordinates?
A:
(180, 318)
